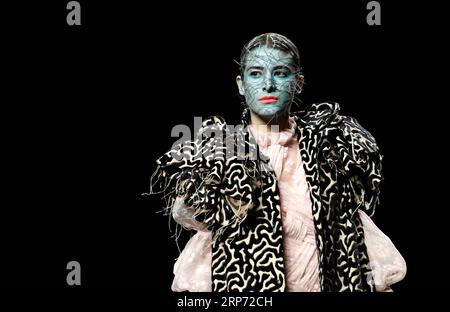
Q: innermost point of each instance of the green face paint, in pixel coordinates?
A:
(269, 81)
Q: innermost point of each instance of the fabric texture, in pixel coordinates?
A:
(237, 197)
(192, 270)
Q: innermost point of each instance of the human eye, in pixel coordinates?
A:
(255, 73)
(282, 73)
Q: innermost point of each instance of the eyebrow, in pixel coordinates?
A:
(282, 67)
(275, 68)
(255, 67)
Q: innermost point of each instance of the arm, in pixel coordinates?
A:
(387, 264)
(184, 216)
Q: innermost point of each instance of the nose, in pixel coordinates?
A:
(268, 84)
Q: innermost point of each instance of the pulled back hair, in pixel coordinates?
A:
(270, 40)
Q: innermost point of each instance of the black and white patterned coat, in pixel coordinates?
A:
(233, 190)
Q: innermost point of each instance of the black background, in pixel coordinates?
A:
(89, 109)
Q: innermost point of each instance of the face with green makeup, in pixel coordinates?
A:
(269, 81)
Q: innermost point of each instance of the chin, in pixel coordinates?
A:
(271, 114)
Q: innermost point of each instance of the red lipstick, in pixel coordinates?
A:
(268, 99)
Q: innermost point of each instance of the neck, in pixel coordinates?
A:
(265, 123)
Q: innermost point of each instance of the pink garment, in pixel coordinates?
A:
(192, 270)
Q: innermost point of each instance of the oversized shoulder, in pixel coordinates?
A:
(347, 146)
(200, 146)
(325, 118)
(215, 120)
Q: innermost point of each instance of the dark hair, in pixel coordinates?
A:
(270, 40)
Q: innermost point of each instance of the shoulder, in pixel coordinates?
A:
(325, 118)
(354, 151)
(191, 148)
(353, 131)
(209, 124)
(214, 120)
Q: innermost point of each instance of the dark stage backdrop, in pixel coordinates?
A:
(93, 106)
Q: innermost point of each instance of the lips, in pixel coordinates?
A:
(268, 99)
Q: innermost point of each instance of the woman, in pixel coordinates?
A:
(281, 203)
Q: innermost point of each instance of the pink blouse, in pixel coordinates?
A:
(192, 269)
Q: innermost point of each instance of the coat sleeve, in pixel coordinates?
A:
(387, 264)
(198, 173)
(184, 216)
(190, 173)
(362, 162)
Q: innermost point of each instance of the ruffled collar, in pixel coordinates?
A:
(266, 138)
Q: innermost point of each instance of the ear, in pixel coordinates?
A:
(240, 85)
(301, 81)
